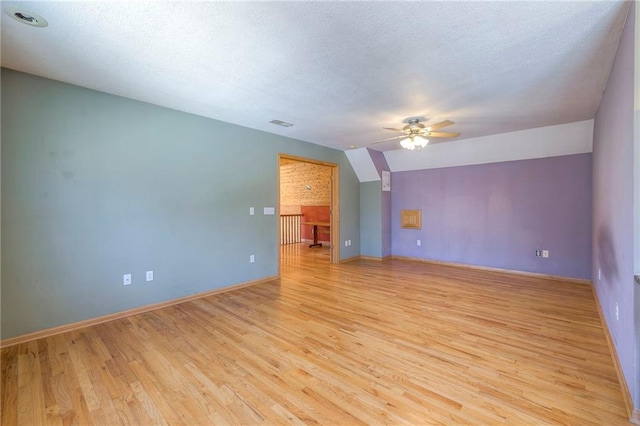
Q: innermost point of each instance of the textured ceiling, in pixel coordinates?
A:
(340, 71)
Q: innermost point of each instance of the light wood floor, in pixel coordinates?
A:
(365, 342)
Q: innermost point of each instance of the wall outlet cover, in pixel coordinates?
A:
(149, 276)
(126, 279)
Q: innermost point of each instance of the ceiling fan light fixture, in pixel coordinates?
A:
(415, 135)
(420, 142)
(414, 142)
(407, 144)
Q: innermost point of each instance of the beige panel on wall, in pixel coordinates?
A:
(305, 184)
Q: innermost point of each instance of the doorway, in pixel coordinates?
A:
(308, 194)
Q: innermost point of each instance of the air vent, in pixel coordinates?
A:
(281, 123)
(25, 17)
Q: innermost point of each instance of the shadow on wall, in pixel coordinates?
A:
(607, 255)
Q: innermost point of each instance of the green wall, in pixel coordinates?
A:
(371, 219)
(95, 186)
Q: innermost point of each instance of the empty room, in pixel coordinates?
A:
(332, 213)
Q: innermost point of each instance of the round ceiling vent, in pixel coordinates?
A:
(26, 17)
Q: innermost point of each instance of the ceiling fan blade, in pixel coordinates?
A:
(439, 125)
(388, 139)
(395, 130)
(441, 134)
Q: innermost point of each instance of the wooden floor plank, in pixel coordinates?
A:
(9, 389)
(366, 342)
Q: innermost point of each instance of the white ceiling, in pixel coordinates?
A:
(340, 71)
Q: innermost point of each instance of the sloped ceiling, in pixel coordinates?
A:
(339, 71)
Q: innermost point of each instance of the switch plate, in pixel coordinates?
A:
(252, 211)
(268, 211)
(252, 258)
(617, 312)
(126, 279)
(418, 243)
(599, 274)
(545, 253)
(149, 276)
(346, 243)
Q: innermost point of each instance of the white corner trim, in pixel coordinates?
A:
(541, 142)
(362, 164)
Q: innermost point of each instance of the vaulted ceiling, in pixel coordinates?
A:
(338, 71)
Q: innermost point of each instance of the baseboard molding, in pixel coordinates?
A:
(378, 259)
(492, 269)
(633, 413)
(349, 259)
(123, 314)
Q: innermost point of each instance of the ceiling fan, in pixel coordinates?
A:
(414, 134)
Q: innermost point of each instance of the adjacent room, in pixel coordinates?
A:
(306, 189)
(320, 213)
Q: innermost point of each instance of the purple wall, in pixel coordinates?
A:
(386, 223)
(498, 214)
(613, 203)
(380, 162)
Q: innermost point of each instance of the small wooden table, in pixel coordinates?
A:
(315, 231)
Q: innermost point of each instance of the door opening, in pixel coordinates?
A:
(308, 205)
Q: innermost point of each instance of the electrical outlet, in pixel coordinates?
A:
(418, 243)
(617, 312)
(545, 253)
(126, 279)
(349, 243)
(252, 211)
(252, 258)
(346, 243)
(149, 275)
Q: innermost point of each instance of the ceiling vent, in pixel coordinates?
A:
(25, 17)
(281, 123)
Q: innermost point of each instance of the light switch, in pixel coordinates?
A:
(252, 211)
